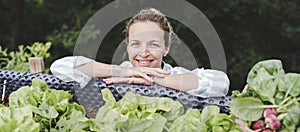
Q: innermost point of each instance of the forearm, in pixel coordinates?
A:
(182, 82)
(96, 69)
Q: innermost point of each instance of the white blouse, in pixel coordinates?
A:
(211, 83)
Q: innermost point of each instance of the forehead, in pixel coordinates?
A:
(144, 28)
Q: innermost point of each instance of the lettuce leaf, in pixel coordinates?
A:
(190, 122)
(265, 69)
(290, 84)
(209, 120)
(247, 108)
(263, 79)
(74, 119)
(209, 112)
(17, 119)
(217, 122)
(291, 121)
(136, 113)
(50, 107)
(155, 124)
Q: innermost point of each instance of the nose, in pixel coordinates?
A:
(144, 51)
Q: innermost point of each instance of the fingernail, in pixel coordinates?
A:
(108, 82)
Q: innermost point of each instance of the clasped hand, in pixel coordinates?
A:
(136, 75)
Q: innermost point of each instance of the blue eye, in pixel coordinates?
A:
(154, 45)
(134, 44)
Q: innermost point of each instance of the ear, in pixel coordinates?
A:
(166, 51)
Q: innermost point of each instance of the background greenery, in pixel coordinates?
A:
(250, 31)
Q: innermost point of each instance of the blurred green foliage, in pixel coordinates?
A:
(250, 31)
(65, 36)
(18, 60)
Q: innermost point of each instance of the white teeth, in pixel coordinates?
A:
(144, 62)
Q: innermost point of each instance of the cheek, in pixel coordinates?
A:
(158, 54)
(131, 53)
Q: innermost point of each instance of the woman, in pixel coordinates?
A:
(148, 37)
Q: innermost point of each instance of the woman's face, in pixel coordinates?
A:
(146, 45)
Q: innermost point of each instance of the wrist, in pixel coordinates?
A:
(158, 80)
(115, 70)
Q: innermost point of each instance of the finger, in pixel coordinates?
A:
(145, 76)
(135, 72)
(115, 80)
(156, 71)
(131, 80)
(135, 80)
(107, 81)
(161, 71)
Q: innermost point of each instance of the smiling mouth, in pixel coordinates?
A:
(144, 63)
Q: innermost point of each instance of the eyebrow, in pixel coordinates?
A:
(134, 40)
(153, 40)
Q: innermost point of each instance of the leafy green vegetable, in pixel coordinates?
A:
(290, 84)
(247, 108)
(291, 120)
(140, 113)
(263, 78)
(39, 108)
(155, 124)
(267, 89)
(209, 120)
(190, 122)
(250, 92)
(279, 97)
(209, 112)
(17, 119)
(271, 87)
(106, 119)
(38, 49)
(49, 107)
(217, 122)
(18, 60)
(74, 119)
(136, 113)
(262, 81)
(265, 69)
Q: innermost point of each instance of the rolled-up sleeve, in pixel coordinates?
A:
(64, 69)
(211, 83)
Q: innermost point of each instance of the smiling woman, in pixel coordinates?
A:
(148, 37)
(146, 46)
